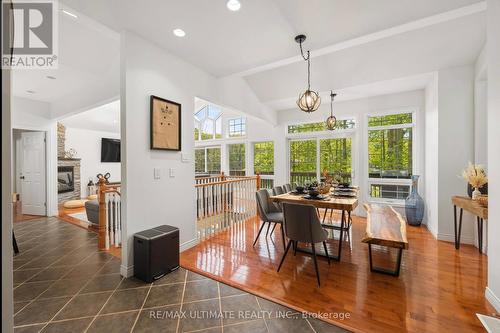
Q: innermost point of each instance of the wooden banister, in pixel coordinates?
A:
(101, 243)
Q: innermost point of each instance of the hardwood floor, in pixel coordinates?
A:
(439, 290)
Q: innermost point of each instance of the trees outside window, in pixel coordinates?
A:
(236, 155)
(390, 155)
(336, 158)
(207, 160)
(263, 162)
(303, 164)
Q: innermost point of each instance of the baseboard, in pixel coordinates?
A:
(127, 271)
(451, 238)
(189, 244)
(492, 299)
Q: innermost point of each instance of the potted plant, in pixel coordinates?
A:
(476, 177)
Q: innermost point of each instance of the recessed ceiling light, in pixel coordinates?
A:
(30, 91)
(51, 77)
(233, 5)
(69, 13)
(179, 32)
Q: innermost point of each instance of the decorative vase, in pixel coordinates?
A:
(414, 204)
(475, 194)
(483, 189)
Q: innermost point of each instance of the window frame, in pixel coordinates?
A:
(198, 124)
(205, 148)
(326, 133)
(318, 136)
(228, 126)
(246, 159)
(415, 149)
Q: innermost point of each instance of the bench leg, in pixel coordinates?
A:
(384, 270)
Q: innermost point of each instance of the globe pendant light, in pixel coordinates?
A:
(309, 100)
(331, 121)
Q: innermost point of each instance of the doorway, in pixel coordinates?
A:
(30, 195)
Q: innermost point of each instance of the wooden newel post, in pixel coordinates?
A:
(102, 214)
(258, 182)
(222, 176)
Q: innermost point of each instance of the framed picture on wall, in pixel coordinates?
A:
(165, 124)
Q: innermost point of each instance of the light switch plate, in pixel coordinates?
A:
(157, 173)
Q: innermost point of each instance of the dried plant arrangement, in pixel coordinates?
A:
(476, 176)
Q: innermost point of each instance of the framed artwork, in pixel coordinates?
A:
(165, 124)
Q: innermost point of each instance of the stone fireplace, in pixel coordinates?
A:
(68, 171)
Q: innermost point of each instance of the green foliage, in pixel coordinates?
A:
(393, 119)
(236, 159)
(213, 160)
(199, 160)
(264, 158)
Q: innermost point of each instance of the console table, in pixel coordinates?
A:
(474, 208)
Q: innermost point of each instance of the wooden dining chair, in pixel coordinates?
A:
(302, 224)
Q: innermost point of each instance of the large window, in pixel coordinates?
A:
(237, 127)
(236, 154)
(303, 161)
(263, 162)
(390, 155)
(320, 126)
(336, 158)
(207, 160)
(208, 123)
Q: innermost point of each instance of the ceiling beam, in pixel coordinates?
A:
(400, 29)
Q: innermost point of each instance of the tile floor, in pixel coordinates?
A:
(63, 284)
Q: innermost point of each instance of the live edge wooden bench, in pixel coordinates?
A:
(385, 227)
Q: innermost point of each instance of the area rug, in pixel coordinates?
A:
(80, 216)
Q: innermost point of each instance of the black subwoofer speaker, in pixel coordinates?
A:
(156, 252)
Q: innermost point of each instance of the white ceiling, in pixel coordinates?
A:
(89, 56)
(104, 118)
(355, 44)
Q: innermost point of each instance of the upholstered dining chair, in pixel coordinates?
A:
(302, 224)
(287, 188)
(268, 214)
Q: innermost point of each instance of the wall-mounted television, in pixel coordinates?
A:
(110, 150)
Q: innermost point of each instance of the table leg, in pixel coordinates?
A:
(459, 228)
(455, 224)
(341, 238)
(324, 216)
(480, 234)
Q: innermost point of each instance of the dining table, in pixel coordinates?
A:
(344, 204)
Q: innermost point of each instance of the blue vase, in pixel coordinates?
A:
(414, 204)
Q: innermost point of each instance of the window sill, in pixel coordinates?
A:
(400, 204)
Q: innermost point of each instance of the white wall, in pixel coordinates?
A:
(456, 145)
(493, 64)
(431, 156)
(481, 122)
(148, 70)
(35, 115)
(87, 144)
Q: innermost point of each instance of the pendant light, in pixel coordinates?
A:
(309, 100)
(331, 121)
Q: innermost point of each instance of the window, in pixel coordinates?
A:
(303, 161)
(207, 160)
(237, 127)
(263, 158)
(236, 153)
(263, 162)
(336, 158)
(208, 123)
(320, 126)
(390, 155)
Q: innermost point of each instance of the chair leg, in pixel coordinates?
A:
(326, 252)
(14, 243)
(283, 236)
(267, 231)
(258, 234)
(272, 230)
(295, 245)
(284, 254)
(315, 263)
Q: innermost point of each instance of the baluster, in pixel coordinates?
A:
(106, 203)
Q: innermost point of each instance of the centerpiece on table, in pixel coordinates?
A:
(476, 178)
